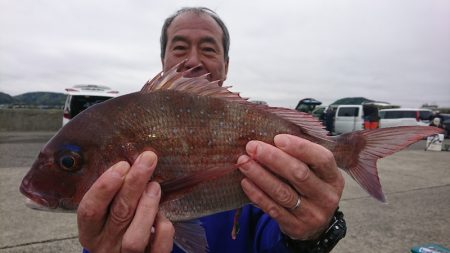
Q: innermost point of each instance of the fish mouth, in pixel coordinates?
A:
(38, 202)
(36, 206)
(35, 201)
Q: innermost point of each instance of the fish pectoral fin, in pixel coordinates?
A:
(176, 187)
(190, 236)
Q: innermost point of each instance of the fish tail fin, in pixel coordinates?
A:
(357, 152)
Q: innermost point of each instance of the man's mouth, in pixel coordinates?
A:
(197, 71)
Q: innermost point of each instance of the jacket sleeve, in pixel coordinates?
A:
(268, 237)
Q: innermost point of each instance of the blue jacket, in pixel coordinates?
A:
(258, 233)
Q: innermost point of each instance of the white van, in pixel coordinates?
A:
(405, 117)
(349, 118)
(80, 97)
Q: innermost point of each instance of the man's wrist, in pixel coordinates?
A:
(326, 242)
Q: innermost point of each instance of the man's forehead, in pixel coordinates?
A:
(194, 21)
(202, 39)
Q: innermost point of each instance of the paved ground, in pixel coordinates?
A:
(416, 183)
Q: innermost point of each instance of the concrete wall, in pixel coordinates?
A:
(30, 119)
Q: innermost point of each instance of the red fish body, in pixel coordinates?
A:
(198, 130)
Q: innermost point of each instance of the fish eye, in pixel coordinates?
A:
(69, 161)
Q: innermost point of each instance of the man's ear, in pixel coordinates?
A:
(226, 68)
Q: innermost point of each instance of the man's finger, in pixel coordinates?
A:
(284, 218)
(278, 190)
(124, 205)
(163, 230)
(314, 155)
(94, 206)
(288, 167)
(137, 236)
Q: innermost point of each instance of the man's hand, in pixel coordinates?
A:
(119, 210)
(309, 172)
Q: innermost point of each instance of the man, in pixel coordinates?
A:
(329, 119)
(118, 212)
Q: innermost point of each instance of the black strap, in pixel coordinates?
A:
(326, 242)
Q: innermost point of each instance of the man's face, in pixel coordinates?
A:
(197, 38)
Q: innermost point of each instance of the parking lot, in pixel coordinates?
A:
(416, 183)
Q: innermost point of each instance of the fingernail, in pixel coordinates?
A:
(281, 140)
(120, 169)
(153, 189)
(243, 161)
(146, 159)
(251, 148)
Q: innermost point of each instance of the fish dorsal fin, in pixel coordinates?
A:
(174, 79)
(307, 122)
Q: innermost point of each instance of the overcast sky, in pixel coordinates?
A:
(281, 51)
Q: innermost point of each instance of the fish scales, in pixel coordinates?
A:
(196, 133)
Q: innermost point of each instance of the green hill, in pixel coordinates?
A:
(6, 99)
(41, 98)
(33, 100)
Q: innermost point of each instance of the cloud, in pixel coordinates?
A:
(395, 51)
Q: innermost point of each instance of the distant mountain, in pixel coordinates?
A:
(41, 98)
(6, 99)
(34, 99)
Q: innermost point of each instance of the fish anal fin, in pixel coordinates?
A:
(190, 236)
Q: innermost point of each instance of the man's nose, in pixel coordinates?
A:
(193, 59)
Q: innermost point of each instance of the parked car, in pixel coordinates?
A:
(446, 124)
(307, 105)
(80, 97)
(350, 118)
(405, 117)
(442, 120)
(318, 112)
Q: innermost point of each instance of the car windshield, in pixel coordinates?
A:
(348, 111)
(425, 115)
(81, 103)
(398, 114)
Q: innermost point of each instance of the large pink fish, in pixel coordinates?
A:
(198, 130)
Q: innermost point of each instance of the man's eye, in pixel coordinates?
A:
(209, 50)
(179, 48)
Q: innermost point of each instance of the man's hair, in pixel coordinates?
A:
(196, 10)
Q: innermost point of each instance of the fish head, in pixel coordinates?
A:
(64, 169)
